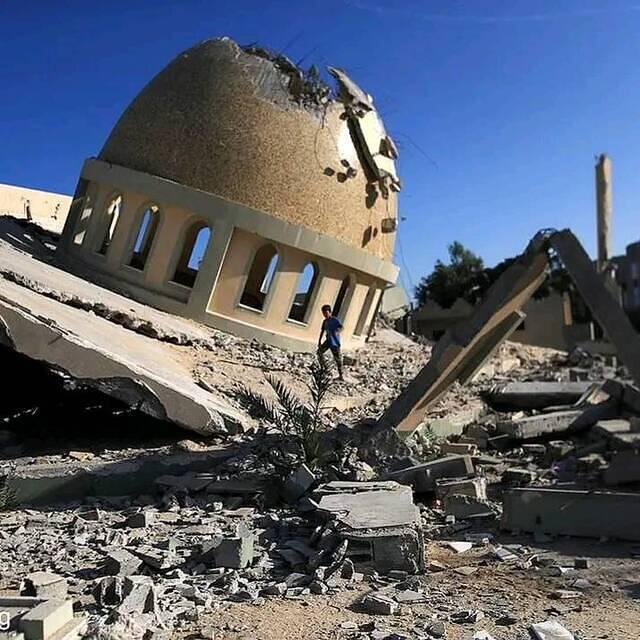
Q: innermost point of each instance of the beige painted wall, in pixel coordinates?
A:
(49, 210)
(214, 298)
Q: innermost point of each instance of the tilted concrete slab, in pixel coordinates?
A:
(462, 351)
(126, 365)
(464, 348)
(591, 514)
(604, 307)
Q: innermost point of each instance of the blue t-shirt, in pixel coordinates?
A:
(331, 327)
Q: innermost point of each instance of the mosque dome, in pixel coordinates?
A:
(253, 128)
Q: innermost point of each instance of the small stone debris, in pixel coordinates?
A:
(298, 483)
(582, 563)
(437, 629)
(231, 552)
(467, 616)
(140, 520)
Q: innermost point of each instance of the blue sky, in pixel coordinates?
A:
(498, 107)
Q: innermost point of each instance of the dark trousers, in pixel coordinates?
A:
(335, 352)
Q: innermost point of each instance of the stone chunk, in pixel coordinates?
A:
(534, 395)
(462, 507)
(519, 476)
(378, 604)
(120, 562)
(459, 448)
(45, 585)
(550, 630)
(139, 520)
(474, 487)
(139, 596)
(422, 477)
(298, 483)
(233, 552)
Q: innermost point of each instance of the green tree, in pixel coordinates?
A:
(461, 278)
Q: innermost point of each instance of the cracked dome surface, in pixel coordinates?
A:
(227, 121)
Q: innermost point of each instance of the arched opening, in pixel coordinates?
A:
(304, 292)
(340, 306)
(144, 239)
(111, 220)
(195, 244)
(260, 278)
(364, 313)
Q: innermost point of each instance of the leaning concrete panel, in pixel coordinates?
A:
(571, 512)
(118, 362)
(466, 346)
(604, 307)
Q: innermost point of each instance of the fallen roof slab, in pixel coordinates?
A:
(123, 364)
(590, 514)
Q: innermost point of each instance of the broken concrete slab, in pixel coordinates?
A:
(513, 396)
(41, 483)
(138, 370)
(120, 562)
(42, 584)
(531, 427)
(464, 348)
(379, 519)
(422, 477)
(572, 512)
(605, 308)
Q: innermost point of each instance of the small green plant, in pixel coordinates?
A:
(8, 498)
(292, 415)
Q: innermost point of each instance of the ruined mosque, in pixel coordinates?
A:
(243, 192)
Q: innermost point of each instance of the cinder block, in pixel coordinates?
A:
(474, 487)
(42, 584)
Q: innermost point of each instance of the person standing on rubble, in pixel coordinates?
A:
(331, 327)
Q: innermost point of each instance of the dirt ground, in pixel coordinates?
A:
(609, 609)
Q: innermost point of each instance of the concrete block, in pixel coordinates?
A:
(473, 487)
(298, 483)
(45, 585)
(623, 468)
(141, 519)
(463, 507)
(519, 476)
(607, 428)
(422, 477)
(459, 448)
(139, 596)
(572, 512)
(120, 562)
(536, 426)
(45, 619)
(513, 396)
(233, 553)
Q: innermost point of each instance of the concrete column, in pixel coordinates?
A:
(210, 267)
(604, 210)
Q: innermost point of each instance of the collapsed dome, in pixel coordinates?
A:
(243, 192)
(253, 128)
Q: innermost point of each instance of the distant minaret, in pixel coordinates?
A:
(604, 208)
